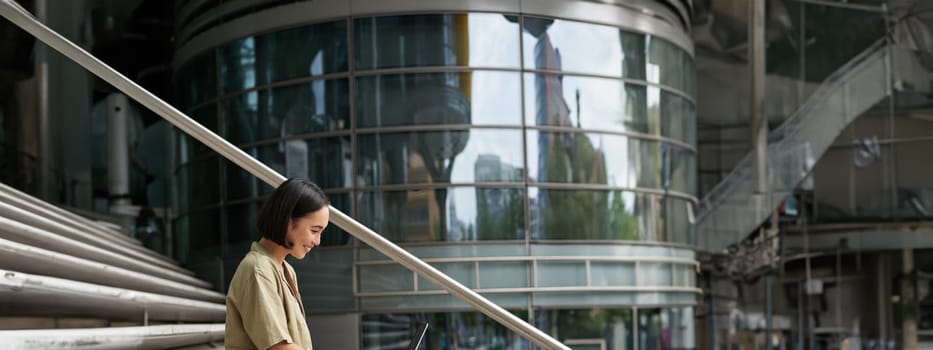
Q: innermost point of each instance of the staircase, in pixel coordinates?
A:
(69, 282)
(732, 210)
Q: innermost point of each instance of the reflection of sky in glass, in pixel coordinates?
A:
(248, 60)
(602, 102)
(496, 98)
(583, 47)
(493, 41)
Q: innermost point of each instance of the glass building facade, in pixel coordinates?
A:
(545, 160)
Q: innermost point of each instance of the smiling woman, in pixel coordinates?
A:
(264, 307)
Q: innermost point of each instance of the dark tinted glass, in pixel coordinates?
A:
(439, 98)
(302, 52)
(476, 39)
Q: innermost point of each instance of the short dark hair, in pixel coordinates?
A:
(293, 199)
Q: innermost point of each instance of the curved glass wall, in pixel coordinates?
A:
(477, 128)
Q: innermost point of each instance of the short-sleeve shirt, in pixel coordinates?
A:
(263, 304)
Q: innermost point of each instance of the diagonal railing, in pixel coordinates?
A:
(26, 21)
(733, 209)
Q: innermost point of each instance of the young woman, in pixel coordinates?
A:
(264, 309)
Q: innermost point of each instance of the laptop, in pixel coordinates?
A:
(418, 337)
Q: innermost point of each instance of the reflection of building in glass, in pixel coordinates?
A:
(497, 208)
(520, 149)
(386, 113)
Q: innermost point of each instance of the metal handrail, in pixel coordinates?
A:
(26, 21)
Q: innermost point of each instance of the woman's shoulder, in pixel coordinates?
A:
(254, 264)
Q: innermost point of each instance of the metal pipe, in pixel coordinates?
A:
(9, 211)
(31, 295)
(768, 343)
(29, 259)
(118, 157)
(150, 337)
(19, 16)
(908, 301)
(25, 201)
(63, 217)
(25, 234)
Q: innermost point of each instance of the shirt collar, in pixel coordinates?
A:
(256, 247)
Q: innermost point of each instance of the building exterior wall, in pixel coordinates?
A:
(542, 154)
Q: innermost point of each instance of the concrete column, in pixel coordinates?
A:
(756, 65)
(908, 302)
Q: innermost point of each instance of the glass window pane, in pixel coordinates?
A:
(454, 330)
(479, 97)
(678, 323)
(690, 79)
(465, 273)
(683, 170)
(650, 333)
(464, 214)
(240, 183)
(386, 278)
(325, 161)
(583, 47)
(325, 280)
(503, 275)
(458, 156)
(607, 160)
(589, 103)
(654, 274)
(601, 215)
(560, 274)
(241, 120)
(320, 105)
(241, 227)
(475, 39)
(206, 116)
(611, 273)
(334, 235)
(238, 65)
(589, 328)
(677, 119)
(198, 183)
(312, 51)
(666, 63)
(204, 234)
(197, 80)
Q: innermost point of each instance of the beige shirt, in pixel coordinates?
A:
(263, 304)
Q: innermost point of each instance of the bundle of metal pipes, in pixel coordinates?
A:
(58, 266)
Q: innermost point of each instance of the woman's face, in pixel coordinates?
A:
(305, 232)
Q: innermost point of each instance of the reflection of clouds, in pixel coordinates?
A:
(490, 42)
(583, 46)
(604, 102)
(496, 98)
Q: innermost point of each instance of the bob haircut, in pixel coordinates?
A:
(293, 199)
